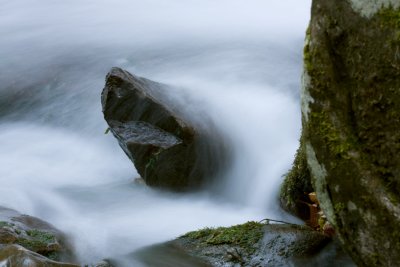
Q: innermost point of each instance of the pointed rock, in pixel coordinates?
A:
(167, 150)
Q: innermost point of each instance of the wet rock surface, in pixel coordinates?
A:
(33, 234)
(18, 256)
(254, 244)
(168, 255)
(167, 150)
(350, 114)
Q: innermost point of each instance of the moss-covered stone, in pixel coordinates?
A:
(351, 123)
(259, 244)
(42, 242)
(33, 234)
(243, 235)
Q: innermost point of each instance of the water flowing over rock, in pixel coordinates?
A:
(167, 149)
(351, 125)
(15, 255)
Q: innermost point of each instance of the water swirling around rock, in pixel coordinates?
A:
(57, 164)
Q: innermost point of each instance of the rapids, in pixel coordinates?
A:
(241, 60)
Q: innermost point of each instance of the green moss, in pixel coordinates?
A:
(297, 183)
(5, 224)
(307, 57)
(321, 124)
(151, 163)
(339, 207)
(41, 236)
(243, 235)
(34, 245)
(199, 233)
(389, 17)
(153, 160)
(38, 241)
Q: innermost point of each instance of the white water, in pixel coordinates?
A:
(240, 59)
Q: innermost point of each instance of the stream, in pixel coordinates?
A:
(240, 60)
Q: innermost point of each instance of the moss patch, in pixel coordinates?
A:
(41, 242)
(389, 17)
(41, 236)
(322, 125)
(245, 235)
(296, 185)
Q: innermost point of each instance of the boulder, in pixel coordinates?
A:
(24, 237)
(351, 127)
(249, 244)
(167, 149)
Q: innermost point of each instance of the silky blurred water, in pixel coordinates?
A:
(240, 61)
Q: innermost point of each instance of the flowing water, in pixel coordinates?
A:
(241, 62)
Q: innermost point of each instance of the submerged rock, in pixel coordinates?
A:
(252, 244)
(167, 150)
(351, 125)
(25, 239)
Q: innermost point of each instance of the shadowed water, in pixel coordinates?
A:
(239, 60)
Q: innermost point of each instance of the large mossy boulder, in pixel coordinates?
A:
(351, 123)
(167, 149)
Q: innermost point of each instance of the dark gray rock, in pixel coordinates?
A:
(167, 150)
(351, 127)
